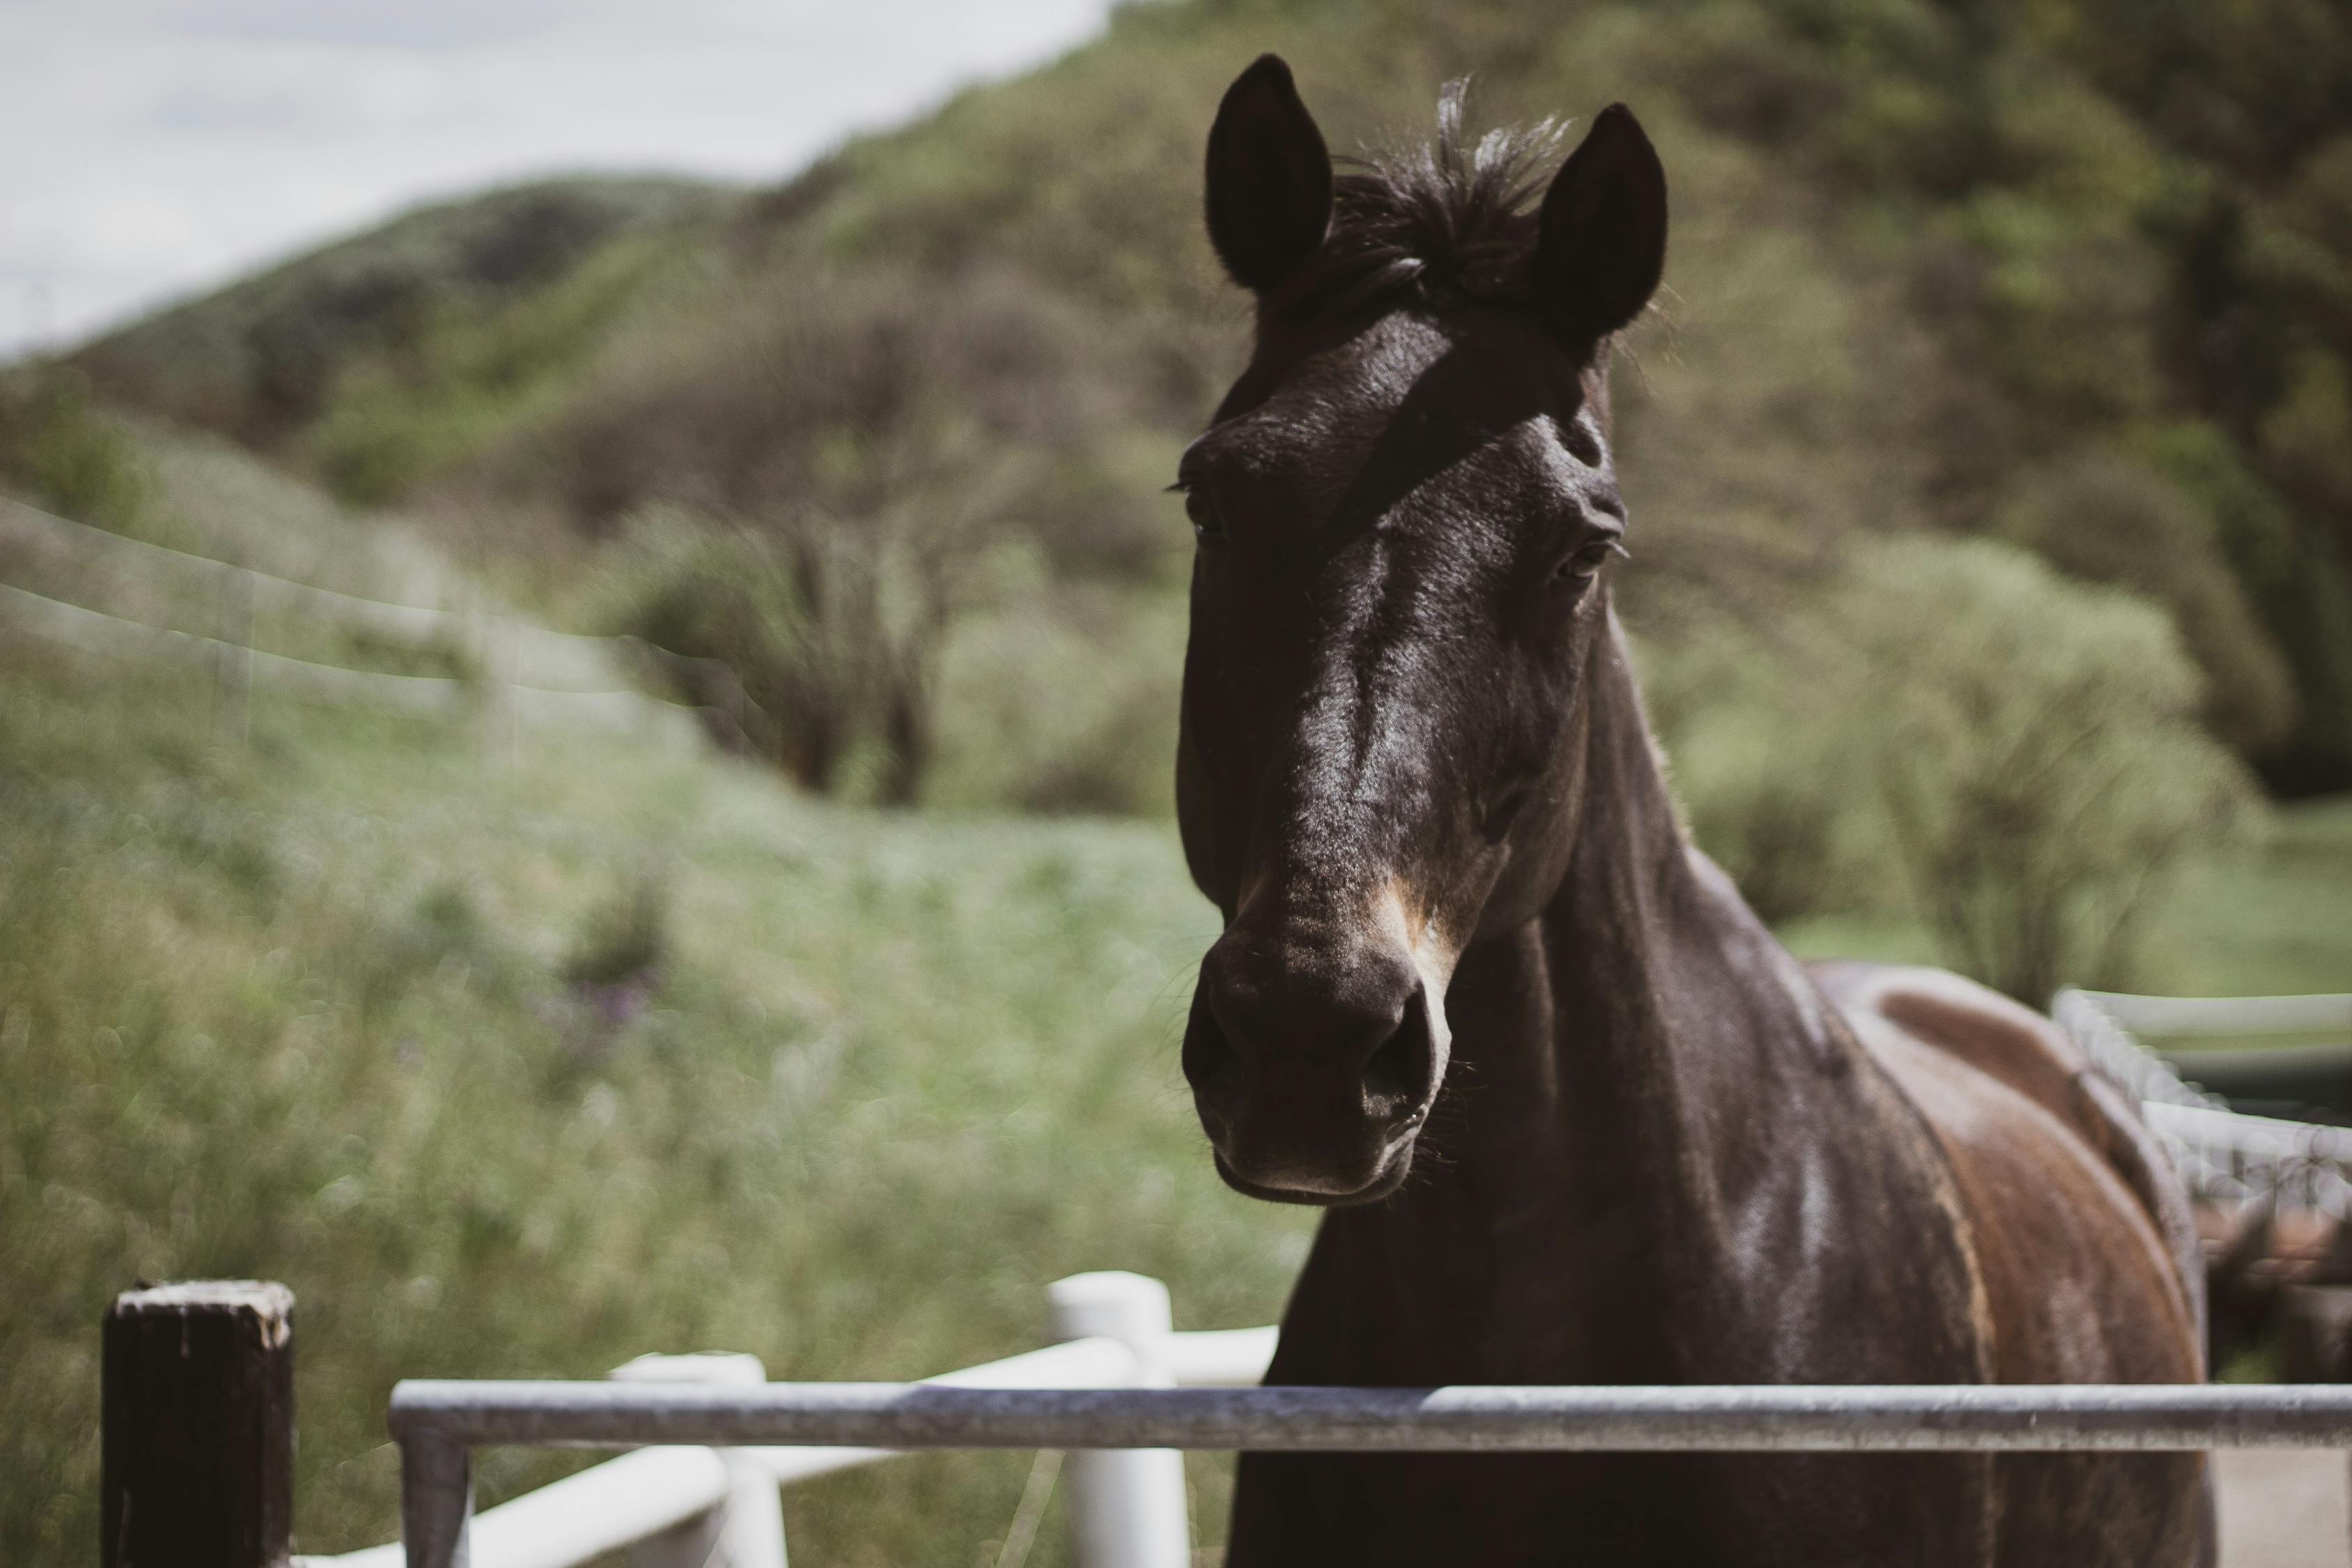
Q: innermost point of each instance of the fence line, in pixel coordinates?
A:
(2223, 1155)
(421, 624)
(210, 562)
(95, 631)
(698, 1491)
(237, 663)
(1673, 1418)
(2191, 1016)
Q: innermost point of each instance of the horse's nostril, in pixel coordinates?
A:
(1210, 1060)
(1397, 1074)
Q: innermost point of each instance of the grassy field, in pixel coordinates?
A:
(524, 1059)
(328, 1013)
(2271, 918)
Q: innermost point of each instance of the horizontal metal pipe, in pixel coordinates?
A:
(1482, 1418)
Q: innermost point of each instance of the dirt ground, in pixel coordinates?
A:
(2285, 1507)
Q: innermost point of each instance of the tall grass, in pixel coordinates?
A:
(338, 1013)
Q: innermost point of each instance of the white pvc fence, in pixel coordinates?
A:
(2223, 1155)
(680, 1507)
(529, 673)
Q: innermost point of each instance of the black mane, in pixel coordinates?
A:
(1442, 219)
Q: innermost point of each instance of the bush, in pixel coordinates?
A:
(66, 456)
(1953, 726)
(2034, 748)
(2105, 518)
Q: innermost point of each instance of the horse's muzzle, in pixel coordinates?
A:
(1313, 1076)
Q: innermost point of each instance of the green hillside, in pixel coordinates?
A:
(2073, 272)
(377, 359)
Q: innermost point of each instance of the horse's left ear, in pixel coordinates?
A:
(1602, 238)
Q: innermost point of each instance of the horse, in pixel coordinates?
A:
(1573, 1114)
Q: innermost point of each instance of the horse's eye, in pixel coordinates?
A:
(1208, 526)
(1587, 560)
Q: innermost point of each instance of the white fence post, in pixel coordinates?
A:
(233, 676)
(1126, 1506)
(747, 1528)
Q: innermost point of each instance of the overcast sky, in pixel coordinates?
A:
(149, 149)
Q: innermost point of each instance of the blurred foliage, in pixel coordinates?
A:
(2129, 222)
(1951, 734)
(625, 939)
(379, 358)
(56, 450)
(369, 1013)
(2075, 272)
(2034, 749)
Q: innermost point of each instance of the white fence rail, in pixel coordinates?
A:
(529, 674)
(2223, 1155)
(680, 1505)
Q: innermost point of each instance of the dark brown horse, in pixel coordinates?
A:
(1415, 776)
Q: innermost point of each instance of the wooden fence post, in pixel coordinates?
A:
(198, 1435)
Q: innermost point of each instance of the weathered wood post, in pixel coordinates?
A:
(197, 1464)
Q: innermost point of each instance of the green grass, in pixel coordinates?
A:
(2275, 921)
(524, 1061)
(2273, 918)
(302, 1014)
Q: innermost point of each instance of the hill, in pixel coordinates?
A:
(2073, 272)
(429, 331)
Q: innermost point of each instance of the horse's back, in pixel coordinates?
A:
(2044, 1145)
(2080, 1232)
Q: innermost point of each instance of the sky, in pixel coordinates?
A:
(152, 149)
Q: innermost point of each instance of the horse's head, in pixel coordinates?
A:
(1406, 514)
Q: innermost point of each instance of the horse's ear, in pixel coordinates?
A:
(1601, 239)
(1269, 177)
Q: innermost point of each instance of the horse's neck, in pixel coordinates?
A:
(1619, 1056)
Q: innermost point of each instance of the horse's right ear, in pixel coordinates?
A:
(1269, 177)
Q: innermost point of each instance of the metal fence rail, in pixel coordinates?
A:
(1779, 1417)
(437, 1423)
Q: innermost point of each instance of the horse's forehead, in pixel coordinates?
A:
(1331, 408)
(1340, 397)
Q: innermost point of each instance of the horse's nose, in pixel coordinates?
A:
(1308, 1065)
(1288, 1014)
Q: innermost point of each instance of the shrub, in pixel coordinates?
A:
(2034, 748)
(64, 454)
(2103, 517)
(2014, 756)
